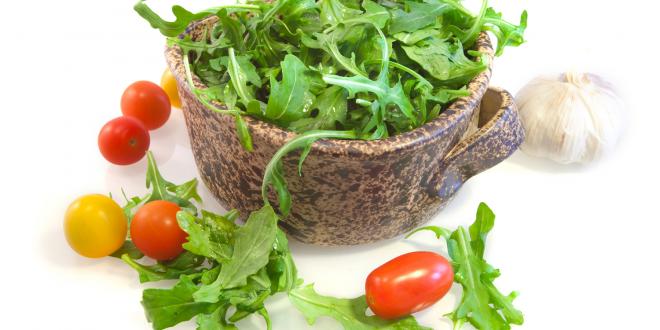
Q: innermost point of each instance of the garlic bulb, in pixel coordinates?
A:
(575, 118)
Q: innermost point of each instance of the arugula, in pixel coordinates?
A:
(332, 69)
(482, 304)
(274, 173)
(161, 189)
(183, 17)
(400, 64)
(225, 266)
(290, 99)
(351, 313)
(252, 246)
(444, 59)
(420, 15)
(168, 307)
(331, 107)
(269, 53)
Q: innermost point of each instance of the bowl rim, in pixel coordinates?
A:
(458, 111)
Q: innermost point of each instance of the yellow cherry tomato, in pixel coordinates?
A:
(169, 85)
(95, 226)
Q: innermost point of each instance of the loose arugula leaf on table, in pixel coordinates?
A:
(482, 304)
(129, 249)
(215, 321)
(168, 307)
(206, 237)
(237, 266)
(161, 189)
(253, 244)
(351, 313)
(186, 263)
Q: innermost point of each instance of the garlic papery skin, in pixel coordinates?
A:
(573, 118)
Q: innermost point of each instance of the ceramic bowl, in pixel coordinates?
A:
(355, 192)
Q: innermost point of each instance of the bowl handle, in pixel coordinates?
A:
(499, 134)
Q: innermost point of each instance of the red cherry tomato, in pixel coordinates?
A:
(123, 141)
(148, 103)
(408, 284)
(155, 231)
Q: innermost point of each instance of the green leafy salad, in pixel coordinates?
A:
(343, 69)
(376, 68)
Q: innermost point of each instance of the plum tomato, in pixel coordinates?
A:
(408, 284)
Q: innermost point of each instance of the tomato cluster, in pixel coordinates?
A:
(145, 106)
(94, 225)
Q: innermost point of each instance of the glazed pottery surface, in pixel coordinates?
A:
(354, 192)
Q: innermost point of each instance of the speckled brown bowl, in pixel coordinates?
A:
(354, 192)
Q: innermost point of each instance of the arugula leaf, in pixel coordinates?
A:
(168, 307)
(186, 191)
(183, 17)
(411, 38)
(232, 29)
(281, 268)
(243, 132)
(273, 172)
(334, 12)
(507, 34)
(482, 304)
(184, 264)
(290, 99)
(239, 77)
(301, 14)
(204, 237)
(215, 320)
(373, 13)
(161, 189)
(169, 29)
(331, 106)
(351, 313)
(328, 42)
(253, 244)
(386, 94)
(129, 249)
(444, 59)
(419, 15)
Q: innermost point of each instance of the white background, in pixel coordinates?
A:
(580, 243)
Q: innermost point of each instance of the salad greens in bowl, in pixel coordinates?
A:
(404, 78)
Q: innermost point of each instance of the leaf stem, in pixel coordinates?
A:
(200, 97)
(404, 69)
(298, 142)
